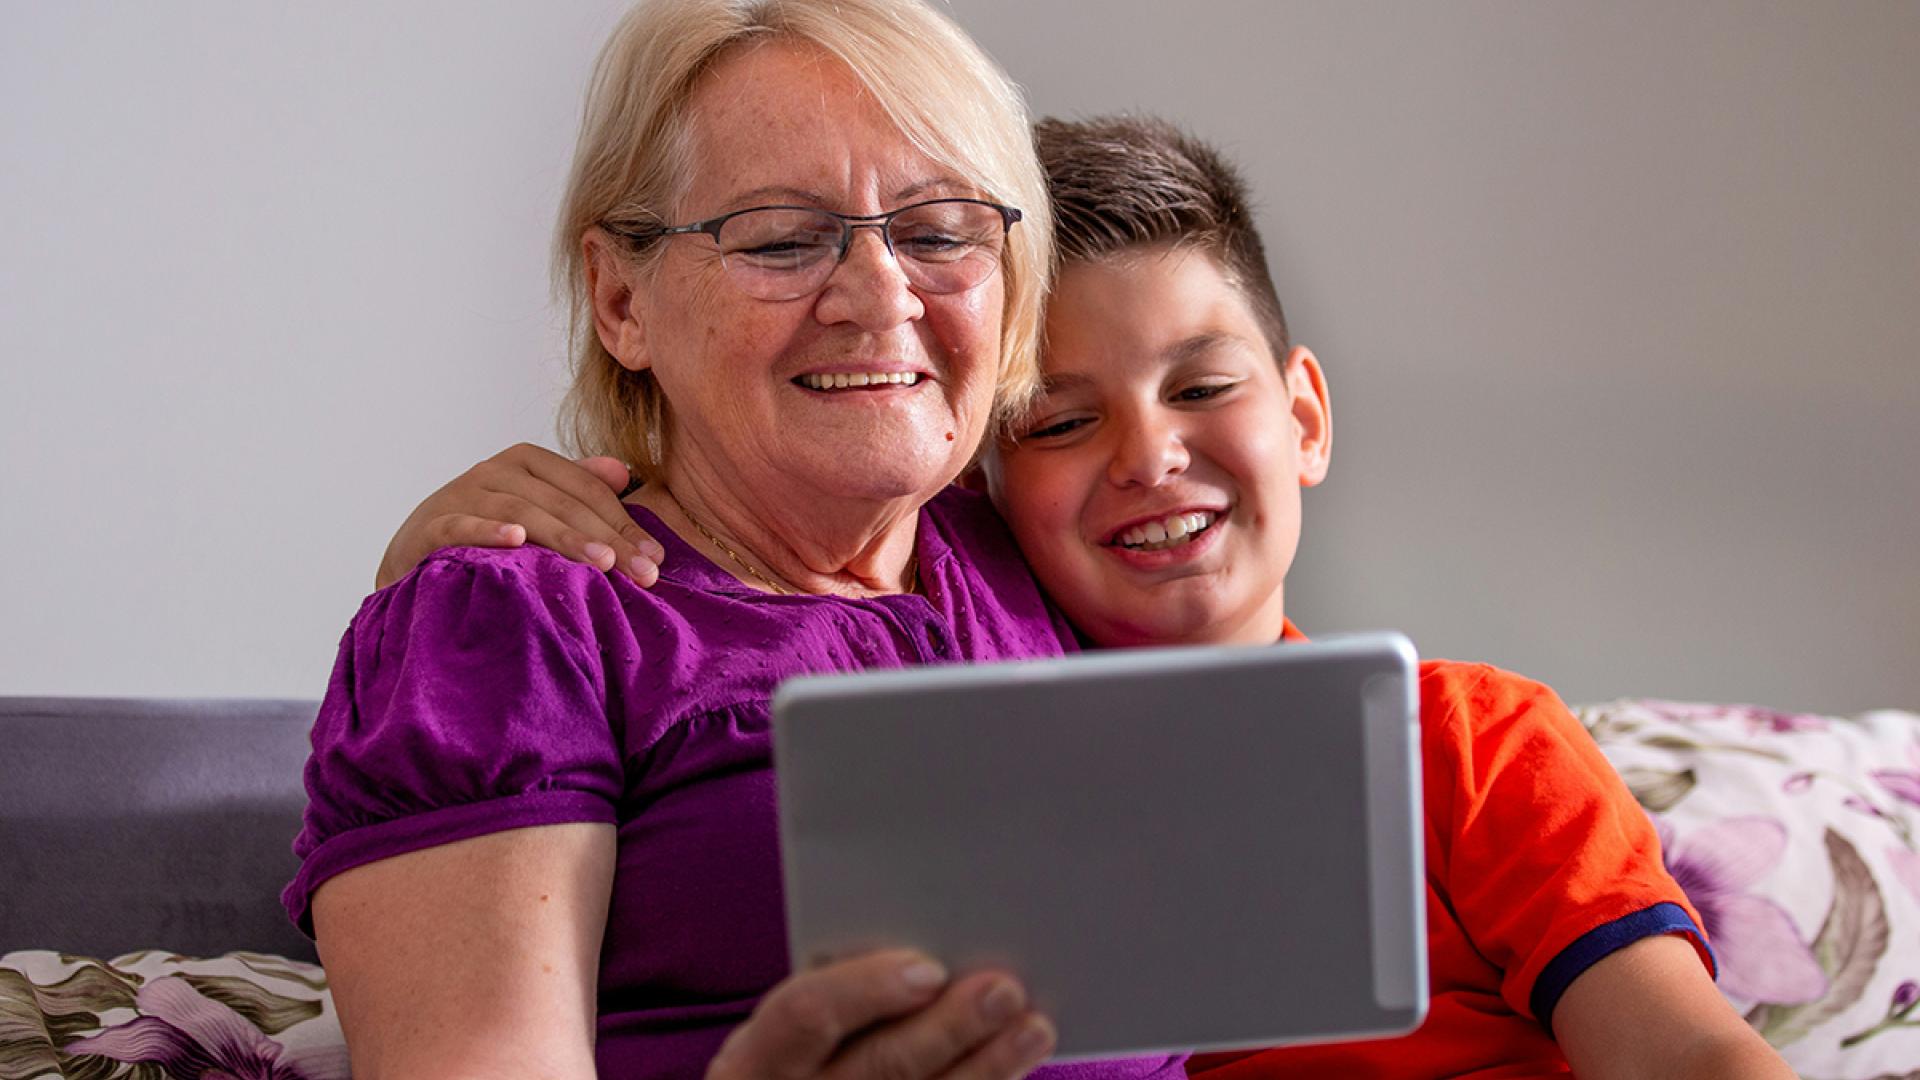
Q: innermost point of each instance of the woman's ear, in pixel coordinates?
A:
(1312, 414)
(611, 281)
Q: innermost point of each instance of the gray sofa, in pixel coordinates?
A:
(166, 826)
(131, 824)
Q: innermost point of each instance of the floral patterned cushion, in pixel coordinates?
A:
(1795, 837)
(156, 1016)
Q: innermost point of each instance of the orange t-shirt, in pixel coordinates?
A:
(1539, 863)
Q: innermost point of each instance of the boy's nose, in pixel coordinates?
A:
(1147, 454)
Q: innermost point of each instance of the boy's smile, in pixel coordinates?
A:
(1156, 489)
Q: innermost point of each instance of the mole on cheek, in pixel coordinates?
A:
(949, 436)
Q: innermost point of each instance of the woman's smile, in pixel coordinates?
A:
(869, 381)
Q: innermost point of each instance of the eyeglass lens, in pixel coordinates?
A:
(782, 253)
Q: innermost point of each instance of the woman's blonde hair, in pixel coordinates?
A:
(947, 98)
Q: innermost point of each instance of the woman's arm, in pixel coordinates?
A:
(473, 960)
(476, 960)
(1650, 1011)
(523, 494)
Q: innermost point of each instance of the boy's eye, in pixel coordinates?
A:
(1202, 392)
(1056, 429)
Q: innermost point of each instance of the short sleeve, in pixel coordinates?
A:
(467, 698)
(1549, 862)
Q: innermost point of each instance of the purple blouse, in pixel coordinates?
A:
(492, 690)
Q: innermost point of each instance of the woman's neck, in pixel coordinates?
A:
(791, 541)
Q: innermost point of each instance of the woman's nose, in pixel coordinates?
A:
(1147, 453)
(868, 287)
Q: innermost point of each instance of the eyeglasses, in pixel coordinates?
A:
(787, 252)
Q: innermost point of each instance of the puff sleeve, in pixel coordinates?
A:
(467, 698)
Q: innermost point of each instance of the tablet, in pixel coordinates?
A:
(1174, 849)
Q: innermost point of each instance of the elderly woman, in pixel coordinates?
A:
(541, 836)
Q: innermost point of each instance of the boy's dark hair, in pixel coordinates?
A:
(1121, 182)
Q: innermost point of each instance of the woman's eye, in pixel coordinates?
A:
(781, 254)
(931, 243)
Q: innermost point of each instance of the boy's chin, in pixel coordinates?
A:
(1149, 628)
(1199, 610)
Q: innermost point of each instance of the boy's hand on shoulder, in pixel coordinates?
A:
(529, 494)
(1651, 1011)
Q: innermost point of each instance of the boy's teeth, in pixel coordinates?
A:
(1167, 532)
(841, 380)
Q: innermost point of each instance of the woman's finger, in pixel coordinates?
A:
(800, 1025)
(1015, 1052)
(968, 1017)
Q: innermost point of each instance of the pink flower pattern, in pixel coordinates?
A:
(1762, 955)
(1906, 867)
(187, 1034)
(1758, 718)
(1902, 784)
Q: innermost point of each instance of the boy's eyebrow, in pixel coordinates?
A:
(1188, 348)
(1192, 348)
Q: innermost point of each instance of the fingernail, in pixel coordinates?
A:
(654, 551)
(1000, 1003)
(598, 553)
(1034, 1039)
(923, 975)
(643, 571)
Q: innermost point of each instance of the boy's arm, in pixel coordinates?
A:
(528, 494)
(1650, 1010)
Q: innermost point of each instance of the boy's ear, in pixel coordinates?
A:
(611, 280)
(1312, 414)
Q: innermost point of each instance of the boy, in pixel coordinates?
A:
(1155, 490)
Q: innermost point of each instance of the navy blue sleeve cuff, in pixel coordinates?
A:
(1597, 943)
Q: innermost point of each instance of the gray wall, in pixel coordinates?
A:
(1616, 302)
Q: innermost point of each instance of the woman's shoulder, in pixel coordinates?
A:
(967, 526)
(528, 570)
(493, 591)
(525, 563)
(967, 512)
(981, 583)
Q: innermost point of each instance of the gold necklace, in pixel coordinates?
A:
(913, 560)
(743, 564)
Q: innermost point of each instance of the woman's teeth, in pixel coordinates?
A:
(1168, 532)
(844, 380)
